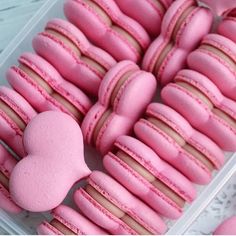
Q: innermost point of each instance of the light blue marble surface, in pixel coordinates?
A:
(14, 14)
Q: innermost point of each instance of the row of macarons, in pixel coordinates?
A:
(118, 103)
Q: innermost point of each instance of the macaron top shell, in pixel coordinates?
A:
(123, 199)
(160, 169)
(227, 227)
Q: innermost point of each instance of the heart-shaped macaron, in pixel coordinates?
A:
(216, 59)
(227, 27)
(123, 95)
(166, 55)
(44, 88)
(107, 27)
(198, 99)
(153, 10)
(7, 164)
(80, 62)
(15, 114)
(55, 161)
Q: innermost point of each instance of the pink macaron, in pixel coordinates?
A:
(227, 227)
(216, 59)
(121, 101)
(54, 162)
(111, 206)
(198, 99)
(191, 152)
(107, 27)
(183, 21)
(15, 114)
(149, 13)
(7, 163)
(227, 27)
(44, 88)
(69, 51)
(142, 172)
(67, 221)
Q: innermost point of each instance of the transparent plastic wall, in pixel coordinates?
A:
(25, 223)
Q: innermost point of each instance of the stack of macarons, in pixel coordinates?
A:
(89, 69)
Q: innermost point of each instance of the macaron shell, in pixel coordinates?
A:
(75, 221)
(100, 33)
(214, 67)
(227, 227)
(227, 28)
(200, 116)
(153, 15)
(7, 163)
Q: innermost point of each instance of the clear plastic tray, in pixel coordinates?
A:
(25, 223)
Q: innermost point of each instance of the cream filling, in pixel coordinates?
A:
(99, 125)
(116, 211)
(151, 178)
(4, 180)
(119, 84)
(159, 5)
(220, 54)
(76, 50)
(231, 121)
(44, 85)
(170, 45)
(12, 115)
(116, 28)
(181, 142)
(61, 227)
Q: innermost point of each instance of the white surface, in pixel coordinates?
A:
(14, 14)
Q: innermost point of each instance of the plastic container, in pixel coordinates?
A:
(25, 223)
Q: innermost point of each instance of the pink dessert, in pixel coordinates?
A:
(111, 206)
(227, 227)
(7, 163)
(216, 59)
(142, 172)
(69, 51)
(198, 99)
(171, 136)
(106, 26)
(149, 13)
(44, 88)
(55, 161)
(15, 114)
(121, 101)
(183, 21)
(227, 27)
(67, 221)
